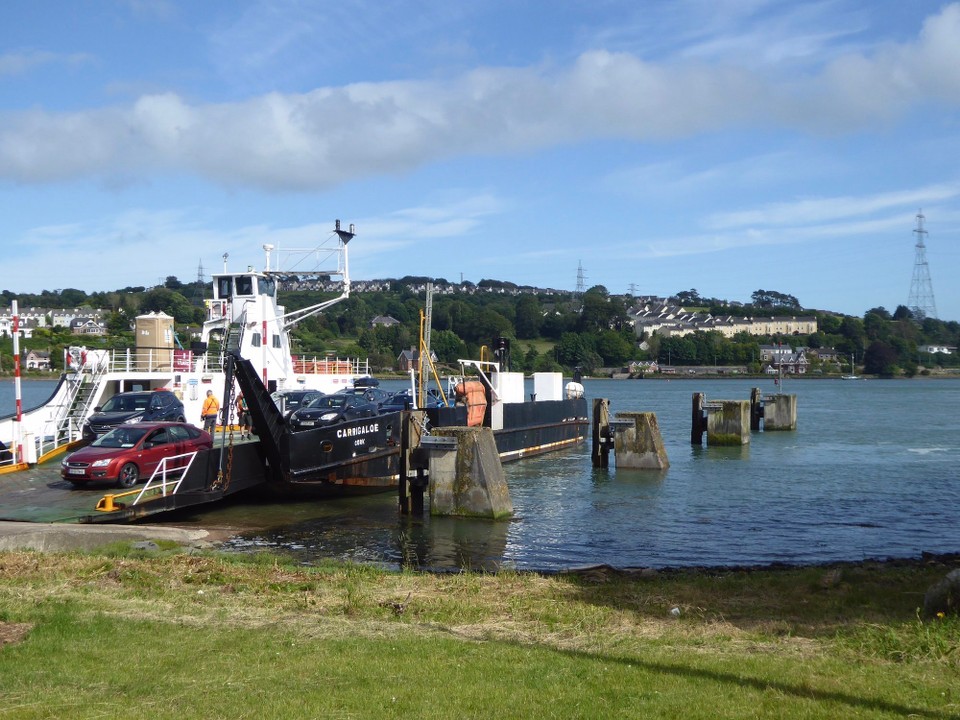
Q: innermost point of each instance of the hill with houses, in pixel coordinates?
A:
(549, 328)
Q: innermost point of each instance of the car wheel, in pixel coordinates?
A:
(128, 476)
(180, 419)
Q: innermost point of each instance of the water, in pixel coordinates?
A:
(870, 472)
(32, 393)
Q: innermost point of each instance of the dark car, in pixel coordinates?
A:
(132, 407)
(403, 400)
(329, 409)
(289, 400)
(371, 394)
(130, 452)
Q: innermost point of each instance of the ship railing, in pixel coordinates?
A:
(161, 360)
(164, 482)
(327, 365)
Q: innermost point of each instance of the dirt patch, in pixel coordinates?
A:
(11, 633)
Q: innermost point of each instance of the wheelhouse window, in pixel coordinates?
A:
(244, 285)
(276, 341)
(267, 286)
(255, 339)
(224, 288)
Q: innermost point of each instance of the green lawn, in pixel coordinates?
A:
(169, 634)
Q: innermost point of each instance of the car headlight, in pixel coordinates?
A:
(134, 419)
(329, 416)
(64, 463)
(100, 463)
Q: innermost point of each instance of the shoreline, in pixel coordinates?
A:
(66, 537)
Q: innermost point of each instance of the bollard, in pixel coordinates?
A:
(728, 423)
(638, 445)
(466, 477)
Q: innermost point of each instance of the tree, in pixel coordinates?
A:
(447, 345)
(902, 313)
(573, 350)
(614, 348)
(774, 299)
(689, 297)
(172, 303)
(880, 359)
(118, 322)
(71, 297)
(529, 317)
(875, 325)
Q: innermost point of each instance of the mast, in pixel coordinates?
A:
(425, 347)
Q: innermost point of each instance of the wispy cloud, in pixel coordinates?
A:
(23, 62)
(819, 210)
(324, 138)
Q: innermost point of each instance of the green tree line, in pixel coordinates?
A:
(549, 330)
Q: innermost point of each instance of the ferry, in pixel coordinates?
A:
(245, 346)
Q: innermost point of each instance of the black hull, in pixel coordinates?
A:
(535, 428)
(358, 453)
(366, 453)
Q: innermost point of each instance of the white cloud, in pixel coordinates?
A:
(329, 136)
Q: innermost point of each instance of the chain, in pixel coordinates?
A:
(223, 480)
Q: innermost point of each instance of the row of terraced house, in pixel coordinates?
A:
(669, 320)
(81, 321)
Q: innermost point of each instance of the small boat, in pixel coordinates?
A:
(853, 371)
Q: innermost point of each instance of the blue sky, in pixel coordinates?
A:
(721, 145)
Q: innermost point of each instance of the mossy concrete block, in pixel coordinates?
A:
(468, 481)
(640, 446)
(728, 422)
(780, 413)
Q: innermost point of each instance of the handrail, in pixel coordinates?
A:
(162, 471)
(107, 504)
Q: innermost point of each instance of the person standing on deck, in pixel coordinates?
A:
(243, 415)
(211, 408)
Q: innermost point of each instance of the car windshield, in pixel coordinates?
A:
(122, 437)
(291, 399)
(126, 403)
(328, 401)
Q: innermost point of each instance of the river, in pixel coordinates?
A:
(870, 472)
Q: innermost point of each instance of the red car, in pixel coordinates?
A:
(130, 452)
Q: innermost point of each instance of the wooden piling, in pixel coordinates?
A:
(699, 423)
(602, 433)
(756, 409)
(413, 464)
(639, 445)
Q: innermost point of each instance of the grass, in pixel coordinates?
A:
(140, 634)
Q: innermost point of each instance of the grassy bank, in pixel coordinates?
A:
(168, 634)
